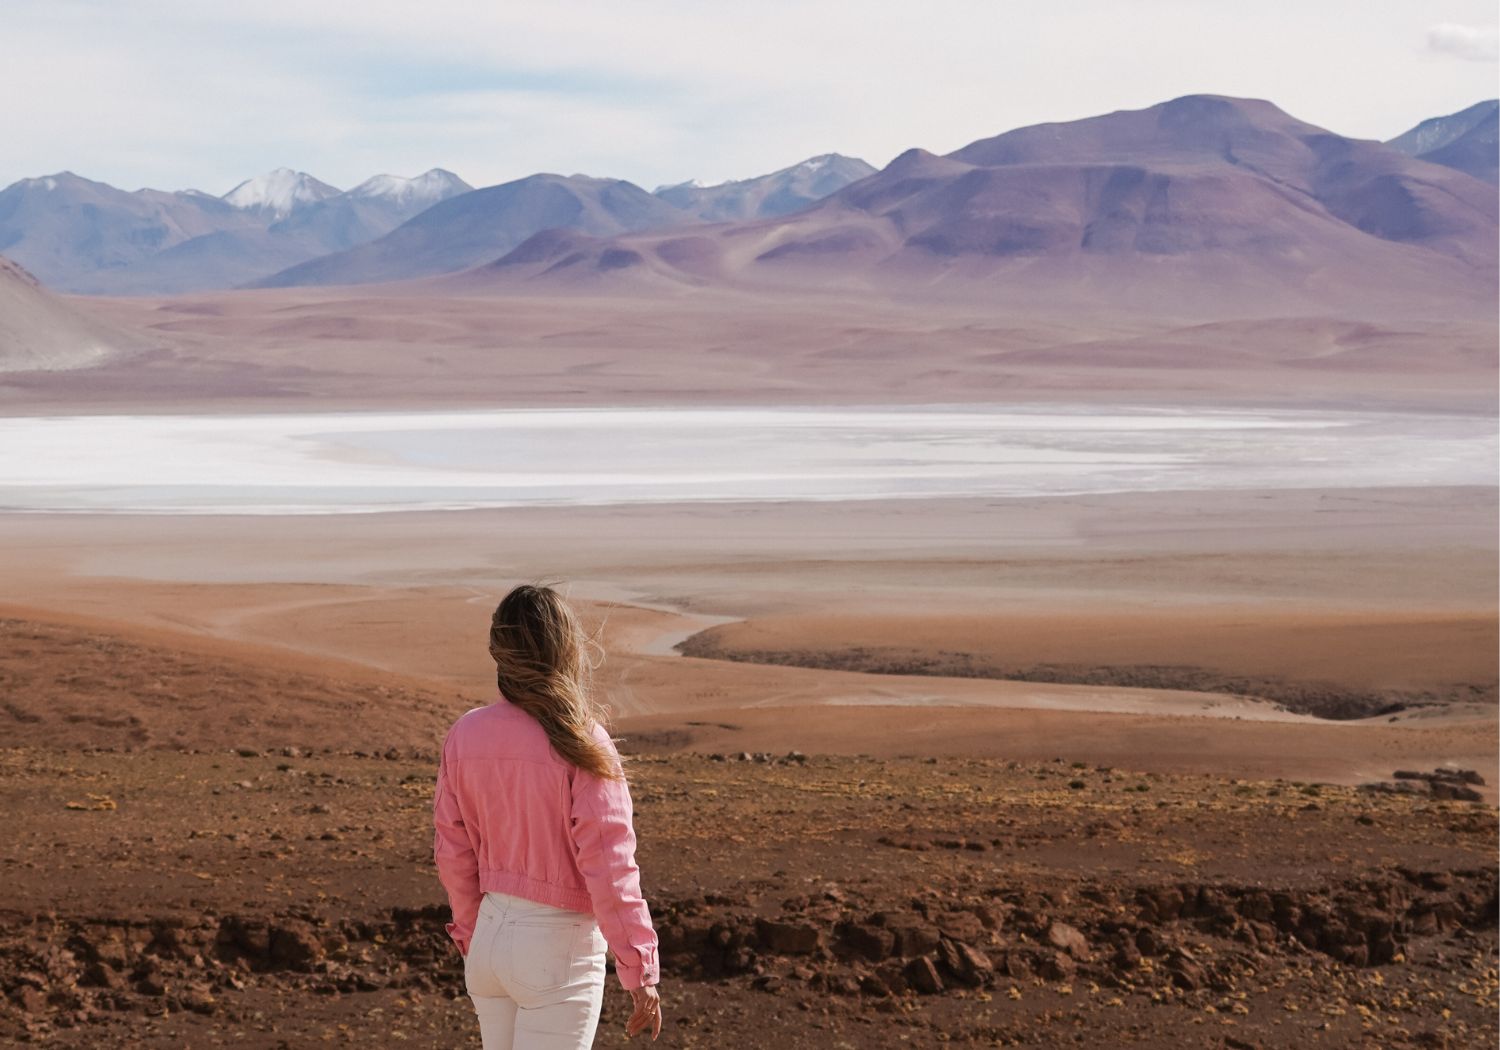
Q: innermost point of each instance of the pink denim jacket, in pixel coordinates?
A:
(512, 816)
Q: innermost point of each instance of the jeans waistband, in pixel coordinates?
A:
(499, 905)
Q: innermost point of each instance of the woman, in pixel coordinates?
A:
(535, 844)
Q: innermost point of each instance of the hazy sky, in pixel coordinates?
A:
(203, 93)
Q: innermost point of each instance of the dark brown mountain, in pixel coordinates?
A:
(1201, 204)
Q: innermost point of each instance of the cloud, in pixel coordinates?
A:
(1475, 43)
(174, 93)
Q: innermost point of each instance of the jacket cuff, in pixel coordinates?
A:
(460, 937)
(636, 975)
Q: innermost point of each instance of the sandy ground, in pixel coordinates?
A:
(413, 344)
(1147, 629)
(1097, 711)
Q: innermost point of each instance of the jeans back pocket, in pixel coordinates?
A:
(542, 955)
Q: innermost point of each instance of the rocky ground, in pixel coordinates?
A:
(279, 897)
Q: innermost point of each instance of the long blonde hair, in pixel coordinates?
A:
(542, 666)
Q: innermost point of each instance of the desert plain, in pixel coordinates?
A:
(1084, 770)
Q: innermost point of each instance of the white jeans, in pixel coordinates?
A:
(536, 975)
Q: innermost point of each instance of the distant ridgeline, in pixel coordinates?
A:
(76, 235)
(1203, 203)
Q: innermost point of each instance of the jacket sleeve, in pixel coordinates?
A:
(604, 838)
(457, 865)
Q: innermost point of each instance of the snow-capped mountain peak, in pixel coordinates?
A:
(429, 187)
(279, 192)
(816, 164)
(689, 184)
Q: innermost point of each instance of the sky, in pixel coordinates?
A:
(178, 94)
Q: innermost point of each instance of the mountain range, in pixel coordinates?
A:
(1467, 141)
(77, 235)
(477, 227)
(1229, 198)
(779, 193)
(1202, 202)
(81, 236)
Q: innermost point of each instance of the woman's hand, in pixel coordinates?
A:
(647, 1012)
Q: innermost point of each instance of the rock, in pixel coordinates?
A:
(197, 998)
(1057, 966)
(1457, 776)
(1422, 923)
(1444, 789)
(1150, 941)
(294, 944)
(1436, 880)
(251, 939)
(1185, 970)
(990, 918)
(1161, 903)
(966, 963)
(872, 942)
(842, 984)
(922, 976)
(1289, 916)
(1257, 904)
(962, 926)
(892, 973)
(1014, 965)
(99, 974)
(788, 938)
(1127, 956)
(915, 938)
(1065, 938)
(1397, 787)
(247, 752)
(1351, 954)
(874, 985)
(108, 949)
(1259, 934)
(768, 982)
(28, 1000)
(150, 982)
(739, 960)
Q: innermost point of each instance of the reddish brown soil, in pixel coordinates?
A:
(281, 894)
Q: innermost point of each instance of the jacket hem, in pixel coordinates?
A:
(519, 885)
